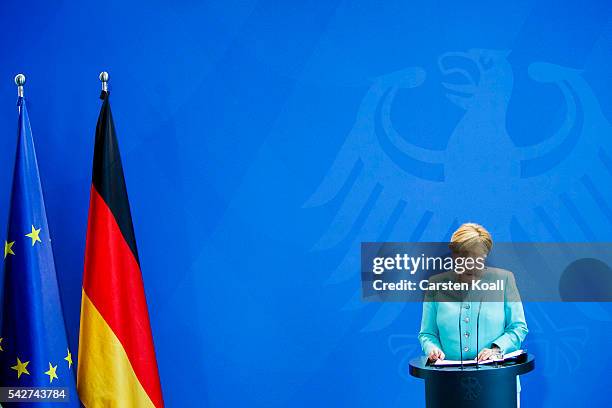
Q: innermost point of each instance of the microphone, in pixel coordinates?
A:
(460, 338)
(478, 333)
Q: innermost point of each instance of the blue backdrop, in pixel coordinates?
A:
(262, 141)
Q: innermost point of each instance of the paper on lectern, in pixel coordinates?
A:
(473, 361)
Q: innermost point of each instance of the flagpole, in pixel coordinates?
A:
(104, 79)
(20, 81)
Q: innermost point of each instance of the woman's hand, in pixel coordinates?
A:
(436, 354)
(486, 353)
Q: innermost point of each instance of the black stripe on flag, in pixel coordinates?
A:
(107, 175)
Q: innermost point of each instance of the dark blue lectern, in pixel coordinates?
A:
(471, 387)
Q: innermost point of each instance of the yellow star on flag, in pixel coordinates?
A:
(68, 358)
(51, 373)
(21, 368)
(34, 235)
(1, 338)
(8, 248)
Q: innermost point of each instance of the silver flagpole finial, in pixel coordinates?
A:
(104, 79)
(20, 80)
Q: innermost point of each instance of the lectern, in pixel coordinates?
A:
(482, 387)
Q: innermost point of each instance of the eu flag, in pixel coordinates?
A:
(34, 349)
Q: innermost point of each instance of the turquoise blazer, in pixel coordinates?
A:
(500, 323)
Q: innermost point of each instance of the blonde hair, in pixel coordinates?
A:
(471, 237)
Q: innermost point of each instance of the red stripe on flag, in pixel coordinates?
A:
(113, 281)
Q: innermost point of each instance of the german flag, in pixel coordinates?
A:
(116, 365)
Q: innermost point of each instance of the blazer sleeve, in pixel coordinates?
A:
(429, 335)
(515, 325)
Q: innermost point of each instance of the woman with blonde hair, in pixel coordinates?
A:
(495, 327)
